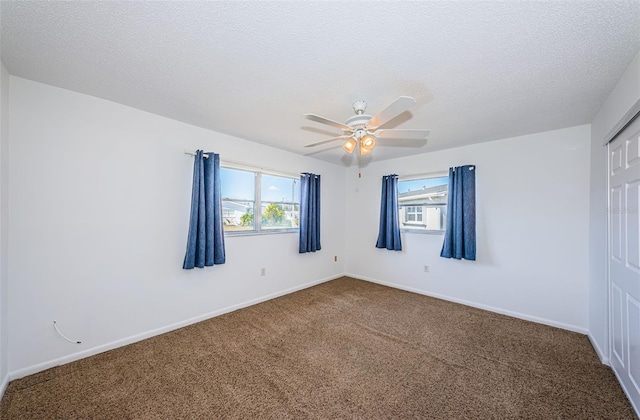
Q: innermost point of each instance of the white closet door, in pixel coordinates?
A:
(624, 258)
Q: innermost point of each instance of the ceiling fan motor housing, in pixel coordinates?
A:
(358, 121)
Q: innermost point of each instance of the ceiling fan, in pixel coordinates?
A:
(362, 130)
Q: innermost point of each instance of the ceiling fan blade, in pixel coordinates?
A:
(398, 133)
(323, 120)
(327, 141)
(398, 106)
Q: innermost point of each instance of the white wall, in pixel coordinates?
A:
(99, 199)
(622, 98)
(4, 182)
(532, 229)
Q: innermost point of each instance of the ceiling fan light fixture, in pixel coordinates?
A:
(350, 145)
(364, 151)
(368, 142)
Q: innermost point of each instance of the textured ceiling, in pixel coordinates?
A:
(479, 70)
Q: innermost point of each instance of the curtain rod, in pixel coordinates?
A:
(186, 152)
(435, 174)
(240, 165)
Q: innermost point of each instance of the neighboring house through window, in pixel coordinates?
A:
(423, 203)
(257, 202)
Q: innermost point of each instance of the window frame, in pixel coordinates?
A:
(257, 228)
(405, 225)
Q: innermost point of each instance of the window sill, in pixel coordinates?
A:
(422, 231)
(259, 232)
(418, 225)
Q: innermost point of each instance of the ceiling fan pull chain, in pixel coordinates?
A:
(359, 161)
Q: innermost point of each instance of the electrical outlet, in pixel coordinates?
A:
(263, 271)
(426, 268)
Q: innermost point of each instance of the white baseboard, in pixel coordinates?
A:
(20, 373)
(519, 315)
(148, 334)
(601, 355)
(3, 385)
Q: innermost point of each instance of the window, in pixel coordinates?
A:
(413, 214)
(257, 202)
(423, 203)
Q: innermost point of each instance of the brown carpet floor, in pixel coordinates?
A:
(345, 349)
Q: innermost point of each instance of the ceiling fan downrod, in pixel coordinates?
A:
(359, 107)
